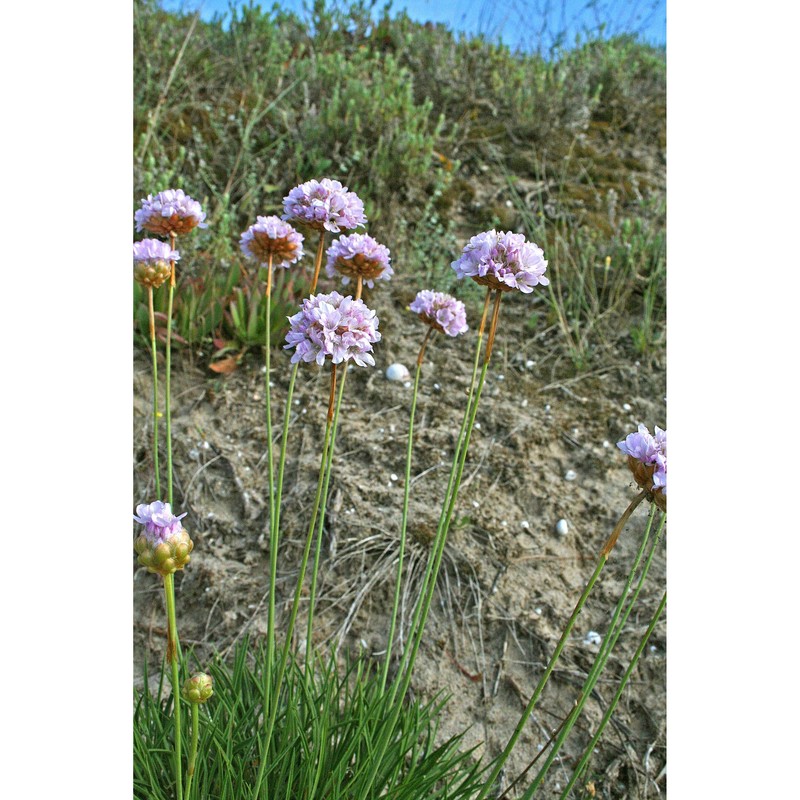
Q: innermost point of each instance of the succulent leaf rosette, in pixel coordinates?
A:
(335, 327)
(441, 311)
(273, 238)
(170, 211)
(503, 261)
(359, 256)
(324, 205)
(647, 460)
(163, 546)
(151, 262)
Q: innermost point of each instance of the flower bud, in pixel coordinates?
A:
(163, 546)
(198, 688)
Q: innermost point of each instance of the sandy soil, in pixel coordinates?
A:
(545, 451)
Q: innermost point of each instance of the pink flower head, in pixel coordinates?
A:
(272, 237)
(159, 522)
(358, 255)
(440, 311)
(503, 261)
(651, 453)
(171, 211)
(324, 205)
(335, 326)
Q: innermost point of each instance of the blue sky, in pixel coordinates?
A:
(524, 23)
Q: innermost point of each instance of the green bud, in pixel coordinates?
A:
(198, 688)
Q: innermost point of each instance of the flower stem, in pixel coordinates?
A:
(273, 711)
(417, 616)
(318, 261)
(601, 562)
(168, 366)
(333, 419)
(404, 520)
(193, 752)
(612, 706)
(172, 660)
(610, 639)
(155, 389)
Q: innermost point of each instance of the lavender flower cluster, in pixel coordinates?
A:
(332, 325)
(441, 311)
(324, 205)
(170, 211)
(160, 524)
(273, 238)
(359, 255)
(650, 451)
(503, 261)
(151, 261)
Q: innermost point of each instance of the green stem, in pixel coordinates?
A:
(333, 414)
(404, 520)
(601, 562)
(155, 389)
(610, 710)
(273, 712)
(168, 410)
(403, 679)
(610, 639)
(275, 539)
(193, 752)
(417, 615)
(172, 660)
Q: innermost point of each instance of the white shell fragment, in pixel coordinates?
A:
(570, 475)
(592, 637)
(562, 527)
(397, 372)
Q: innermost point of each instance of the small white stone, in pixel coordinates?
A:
(297, 402)
(436, 387)
(538, 610)
(501, 377)
(562, 527)
(393, 477)
(575, 432)
(302, 410)
(530, 364)
(653, 648)
(626, 406)
(194, 454)
(592, 637)
(397, 372)
(547, 407)
(524, 402)
(525, 524)
(263, 369)
(606, 443)
(477, 426)
(205, 445)
(570, 475)
(475, 504)
(407, 384)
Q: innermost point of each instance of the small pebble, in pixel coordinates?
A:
(475, 504)
(562, 527)
(547, 407)
(653, 648)
(407, 384)
(592, 637)
(501, 377)
(530, 364)
(606, 443)
(397, 372)
(477, 426)
(504, 522)
(194, 454)
(393, 477)
(570, 475)
(436, 387)
(538, 610)
(525, 524)
(626, 406)
(524, 402)
(297, 402)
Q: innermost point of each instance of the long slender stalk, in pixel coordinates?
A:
(168, 409)
(334, 404)
(403, 679)
(417, 615)
(273, 711)
(172, 660)
(612, 706)
(404, 519)
(276, 505)
(156, 414)
(610, 639)
(193, 751)
(601, 562)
